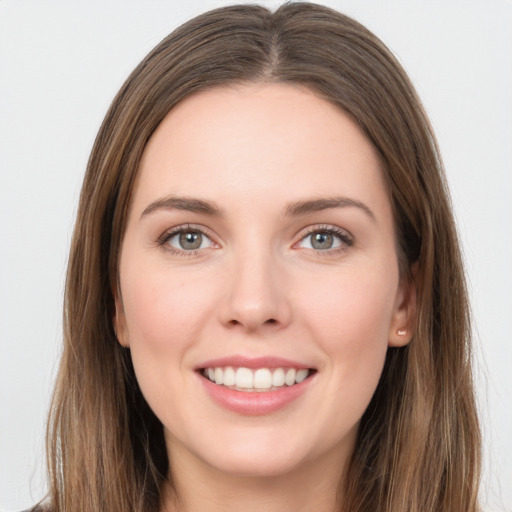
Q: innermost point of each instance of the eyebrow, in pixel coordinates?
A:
(317, 205)
(294, 209)
(189, 204)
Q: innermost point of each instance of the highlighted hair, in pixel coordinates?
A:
(418, 446)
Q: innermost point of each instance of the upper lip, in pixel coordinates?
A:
(239, 361)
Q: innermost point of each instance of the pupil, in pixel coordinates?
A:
(322, 241)
(190, 240)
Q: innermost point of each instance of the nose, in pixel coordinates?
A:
(256, 295)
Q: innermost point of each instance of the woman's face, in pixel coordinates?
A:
(259, 283)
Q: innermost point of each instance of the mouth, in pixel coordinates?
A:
(256, 380)
(255, 386)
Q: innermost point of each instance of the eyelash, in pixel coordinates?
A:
(163, 240)
(343, 236)
(346, 239)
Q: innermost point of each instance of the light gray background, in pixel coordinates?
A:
(61, 64)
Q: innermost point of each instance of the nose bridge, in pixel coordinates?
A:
(256, 295)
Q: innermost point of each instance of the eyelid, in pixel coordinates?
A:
(183, 228)
(346, 238)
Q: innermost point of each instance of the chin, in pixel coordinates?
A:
(261, 454)
(260, 466)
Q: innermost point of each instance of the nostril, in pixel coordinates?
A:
(234, 322)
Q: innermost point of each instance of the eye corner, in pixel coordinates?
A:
(329, 239)
(186, 240)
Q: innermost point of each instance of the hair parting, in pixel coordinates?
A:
(418, 441)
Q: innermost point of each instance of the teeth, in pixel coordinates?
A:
(229, 377)
(290, 377)
(301, 375)
(262, 379)
(278, 377)
(255, 380)
(244, 378)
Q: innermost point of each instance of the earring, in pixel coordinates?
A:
(401, 332)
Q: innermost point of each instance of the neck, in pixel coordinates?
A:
(198, 487)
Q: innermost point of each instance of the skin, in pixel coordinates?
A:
(257, 287)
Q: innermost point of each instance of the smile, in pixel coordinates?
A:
(255, 386)
(256, 379)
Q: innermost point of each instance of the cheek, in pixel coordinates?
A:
(163, 309)
(350, 317)
(164, 313)
(352, 300)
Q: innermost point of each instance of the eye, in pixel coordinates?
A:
(325, 239)
(186, 240)
(320, 241)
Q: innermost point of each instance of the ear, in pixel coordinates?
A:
(119, 321)
(403, 321)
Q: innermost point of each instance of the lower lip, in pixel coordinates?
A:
(255, 403)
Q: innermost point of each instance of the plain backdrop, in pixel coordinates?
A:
(61, 64)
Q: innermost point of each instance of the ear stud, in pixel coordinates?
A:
(401, 332)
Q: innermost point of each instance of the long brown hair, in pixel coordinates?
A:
(418, 443)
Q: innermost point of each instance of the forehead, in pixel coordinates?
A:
(256, 141)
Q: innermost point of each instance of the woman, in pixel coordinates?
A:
(265, 302)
